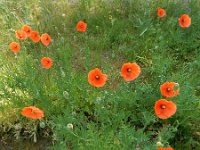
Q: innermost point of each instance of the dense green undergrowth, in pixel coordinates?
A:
(120, 115)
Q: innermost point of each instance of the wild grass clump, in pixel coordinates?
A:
(118, 112)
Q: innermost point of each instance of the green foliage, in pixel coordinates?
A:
(119, 115)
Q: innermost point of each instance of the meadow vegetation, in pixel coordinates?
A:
(119, 115)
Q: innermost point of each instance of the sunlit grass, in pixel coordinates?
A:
(120, 115)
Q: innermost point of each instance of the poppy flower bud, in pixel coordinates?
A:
(176, 86)
(66, 94)
(62, 73)
(70, 126)
(18, 126)
(159, 144)
(42, 125)
(110, 17)
(73, 113)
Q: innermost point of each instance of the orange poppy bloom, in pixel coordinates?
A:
(46, 62)
(14, 47)
(81, 26)
(96, 78)
(167, 148)
(20, 34)
(164, 109)
(32, 112)
(27, 29)
(34, 36)
(161, 12)
(45, 39)
(184, 21)
(169, 89)
(130, 71)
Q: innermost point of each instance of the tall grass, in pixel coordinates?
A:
(119, 115)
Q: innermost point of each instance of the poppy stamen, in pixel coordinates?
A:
(97, 77)
(32, 112)
(129, 70)
(168, 89)
(163, 107)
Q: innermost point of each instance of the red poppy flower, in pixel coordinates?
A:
(27, 29)
(32, 112)
(167, 148)
(164, 109)
(96, 78)
(81, 26)
(45, 39)
(169, 89)
(46, 62)
(20, 34)
(161, 12)
(14, 47)
(130, 71)
(34, 36)
(185, 21)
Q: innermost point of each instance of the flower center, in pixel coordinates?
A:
(97, 77)
(129, 70)
(33, 112)
(168, 89)
(48, 62)
(162, 106)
